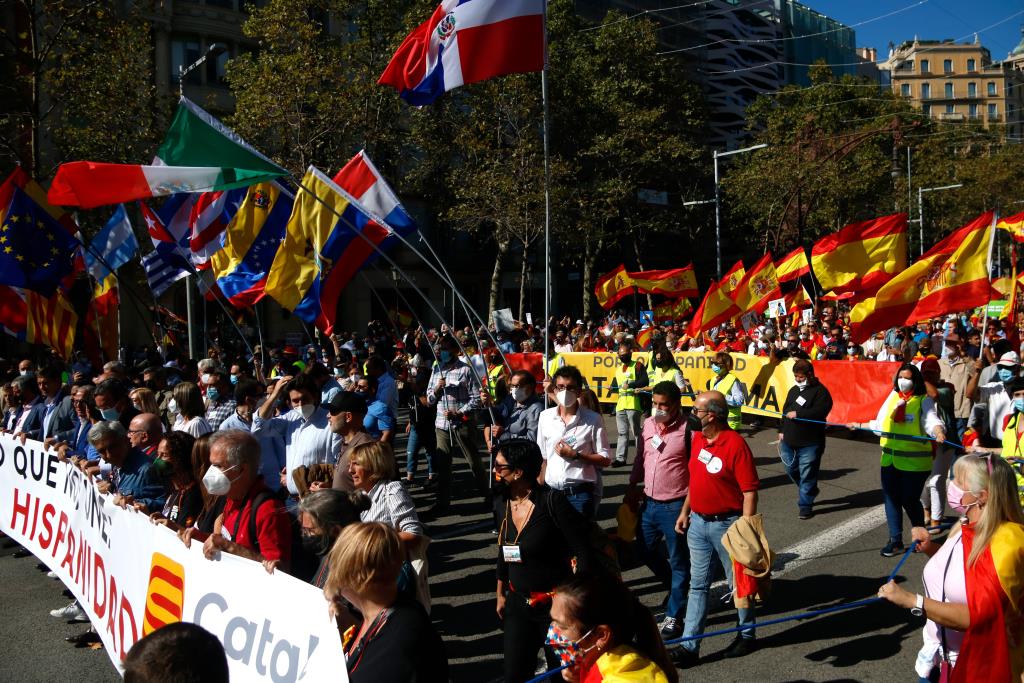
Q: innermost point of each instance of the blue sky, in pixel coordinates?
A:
(934, 19)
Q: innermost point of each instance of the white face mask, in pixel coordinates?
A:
(800, 385)
(25, 373)
(566, 398)
(905, 385)
(520, 394)
(172, 406)
(307, 410)
(662, 416)
(216, 482)
(205, 379)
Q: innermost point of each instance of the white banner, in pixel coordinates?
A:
(132, 576)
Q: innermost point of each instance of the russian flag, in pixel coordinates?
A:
(466, 41)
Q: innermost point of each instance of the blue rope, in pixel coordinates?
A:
(781, 620)
(891, 435)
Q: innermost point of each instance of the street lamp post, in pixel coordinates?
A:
(213, 50)
(718, 202)
(920, 210)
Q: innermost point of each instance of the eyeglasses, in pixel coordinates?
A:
(701, 410)
(498, 467)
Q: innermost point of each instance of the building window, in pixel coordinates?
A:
(926, 109)
(993, 111)
(972, 110)
(905, 89)
(948, 90)
(947, 66)
(926, 91)
(971, 65)
(924, 66)
(950, 109)
(972, 89)
(184, 51)
(991, 89)
(216, 68)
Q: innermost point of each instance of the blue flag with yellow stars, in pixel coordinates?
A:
(36, 252)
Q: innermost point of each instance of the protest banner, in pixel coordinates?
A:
(858, 388)
(132, 576)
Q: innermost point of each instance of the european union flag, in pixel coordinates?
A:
(36, 252)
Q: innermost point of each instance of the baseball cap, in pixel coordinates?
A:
(347, 402)
(290, 351)
(1009, 358)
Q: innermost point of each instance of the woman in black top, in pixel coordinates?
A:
(539, 535)
(395, 640)
(174, 461)
(801, 443)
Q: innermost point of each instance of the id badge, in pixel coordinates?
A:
(909, 418)
(704, 456)
(657, 442)
(800, 400)
(511, 554)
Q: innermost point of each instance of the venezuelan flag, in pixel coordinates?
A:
(861, 257)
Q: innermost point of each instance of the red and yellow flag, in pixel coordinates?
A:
(952, 276)
(672, 283)
(51, 321)
(731, 280)
(715, 309)
(758, 286)
(671, 310)
(861, 257)
(792, 265)
(1014, 225)
(102, 316)
(797, 300)
(612, 287)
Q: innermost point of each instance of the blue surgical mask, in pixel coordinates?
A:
(716, 368)
(110, 414)
(1018, 405)
(446, 356)
(234, 379)
(213, 394)
(1006, 374)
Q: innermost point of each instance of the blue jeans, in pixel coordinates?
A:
(704, 540)
(584, 501)
(902, 491)
(657, 522)
(412, 450)
(802, 464)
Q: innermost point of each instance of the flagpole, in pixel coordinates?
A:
(188, 308)
(117, 283)
(991, 245)
(547, 206)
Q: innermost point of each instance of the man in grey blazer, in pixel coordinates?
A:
(58, 415)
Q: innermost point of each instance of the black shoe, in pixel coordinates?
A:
(683, 658)
(84, 639)
(893, 548)
(740, 647)
(806, 513)
(618, 462)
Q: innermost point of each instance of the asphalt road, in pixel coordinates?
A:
(825, 561)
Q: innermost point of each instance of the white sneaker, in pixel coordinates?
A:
(72, 612)
(52, 575)
(670, 628)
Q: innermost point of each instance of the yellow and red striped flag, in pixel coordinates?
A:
(861, 257)
(731, 280)
(671, 283)
(612, 287)
(715, 309)
(952, 276)
(792, 265)
(671, 310)
(1014, 225)
(758, 286)
(51, 321)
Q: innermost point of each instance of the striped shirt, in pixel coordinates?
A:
(391, 504)
(461, 391)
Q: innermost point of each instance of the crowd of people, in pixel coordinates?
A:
(286, 456)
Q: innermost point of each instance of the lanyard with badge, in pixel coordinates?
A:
(510, 552)
(711, 461)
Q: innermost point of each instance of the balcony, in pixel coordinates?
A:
(951, 116)
(995, 117)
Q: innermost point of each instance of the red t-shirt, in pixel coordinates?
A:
(273, 526)
(720, 472)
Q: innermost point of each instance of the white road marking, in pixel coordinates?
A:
(824, 542)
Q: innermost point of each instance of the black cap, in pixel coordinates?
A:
(347, 402)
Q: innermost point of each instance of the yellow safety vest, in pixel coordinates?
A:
(724, 385)
(628, 400)
(555, 363)
(1012, 449)
(494, 374)
(660, 375)
(905, 454)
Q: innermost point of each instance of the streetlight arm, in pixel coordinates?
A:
(213, 50)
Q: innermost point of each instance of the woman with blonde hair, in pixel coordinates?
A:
(991, 528)
(395, 640)
(144, 400)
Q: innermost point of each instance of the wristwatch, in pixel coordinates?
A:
(918, 608)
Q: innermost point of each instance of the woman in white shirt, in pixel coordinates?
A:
(188, 403)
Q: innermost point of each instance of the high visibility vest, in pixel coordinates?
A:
(660, 375)
(1012, 449)
(724, 385)
(493, 375)
(628, 400)
(905, 454)
(556, 362)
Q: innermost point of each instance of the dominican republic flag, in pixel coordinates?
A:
(466, 41)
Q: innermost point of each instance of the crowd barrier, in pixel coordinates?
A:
(132, 576)
(858, 388)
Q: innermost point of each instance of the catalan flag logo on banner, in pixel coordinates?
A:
(952, 276)
(792, 265)
(861, 257)
(758, 286)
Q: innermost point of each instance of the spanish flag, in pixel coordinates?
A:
(758, 286)
(671, 310)
(731, 280)
(613, 286)
(792, 265)
(716, 309)
(797, 300)
(861, 257)
(672, 283)
(952, 276)
(1014, 225)
(102, 315)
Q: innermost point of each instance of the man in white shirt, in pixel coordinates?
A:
(304, 431)
(574, 444)
(562, 343)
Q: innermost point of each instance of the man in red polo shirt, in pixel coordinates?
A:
(234, 472)
(723, 486)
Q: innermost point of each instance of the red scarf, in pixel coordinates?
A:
(900, 413)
